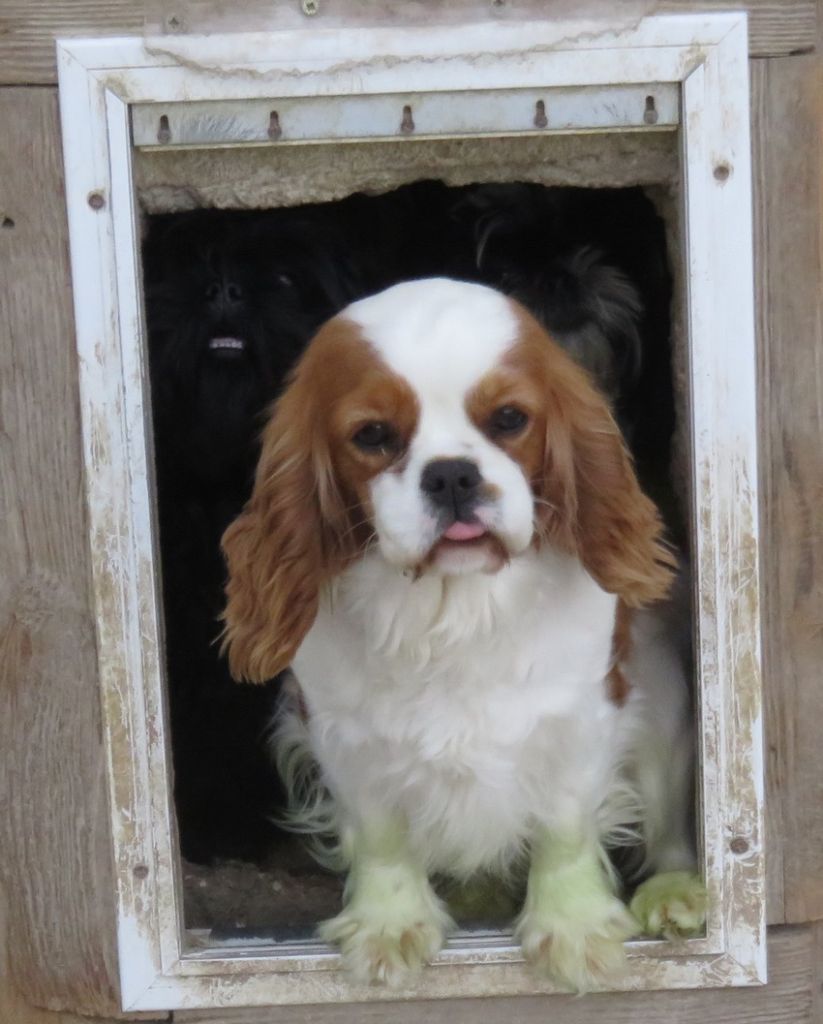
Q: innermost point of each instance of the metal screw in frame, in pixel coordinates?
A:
(163, 130)
(407, 124)
(310, 7)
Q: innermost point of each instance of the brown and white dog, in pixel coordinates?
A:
(447, 542)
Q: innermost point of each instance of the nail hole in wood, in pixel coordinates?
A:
(722, 172)
(540, 119)
(141, 871)
(8, 222)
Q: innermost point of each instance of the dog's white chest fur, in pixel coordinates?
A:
(475, 707)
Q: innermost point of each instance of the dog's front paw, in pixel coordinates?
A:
(579, 950)
(382, 948)
(672, 905)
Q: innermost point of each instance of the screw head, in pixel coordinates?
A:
(739, 845)
(96, 200)
(722, 172)
(407, 125)
(650, 112)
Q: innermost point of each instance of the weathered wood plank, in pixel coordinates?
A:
(28, 27)
(776, 27)
(54, 828)
(14, 1009)
(787, 112)
(791, 997)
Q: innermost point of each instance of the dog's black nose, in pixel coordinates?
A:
(452, 484)
(223, 295)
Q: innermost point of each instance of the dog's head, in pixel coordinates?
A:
(437, 423)
(231, 300)
(572, 257)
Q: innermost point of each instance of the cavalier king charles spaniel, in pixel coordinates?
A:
(447, 542)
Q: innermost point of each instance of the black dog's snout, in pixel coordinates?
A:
(223, 295)
(452, 484)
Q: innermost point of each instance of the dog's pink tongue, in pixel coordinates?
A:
(464, 531)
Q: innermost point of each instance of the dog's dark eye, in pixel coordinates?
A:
(375, 438)
(507, 421)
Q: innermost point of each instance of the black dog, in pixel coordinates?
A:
(591, 265)
(231, 299)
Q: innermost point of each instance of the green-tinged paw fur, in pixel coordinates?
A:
(387, 945)
(671, 905)
(582, 954)
(383, 955)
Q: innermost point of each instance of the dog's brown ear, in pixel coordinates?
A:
(592, 503)
(283, 546)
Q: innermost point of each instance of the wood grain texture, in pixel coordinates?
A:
(787, 112)
(791, 997)
(28, 28)
(776, 27)
(54, 829)
(14, 1008)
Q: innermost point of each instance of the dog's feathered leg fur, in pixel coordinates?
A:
(573, 925)
(392, 922)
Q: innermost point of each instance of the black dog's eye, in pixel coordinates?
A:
(375, 438)
(507, 421)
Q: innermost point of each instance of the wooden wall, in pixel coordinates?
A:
(787, 109)
(55, 852)
(53, 803)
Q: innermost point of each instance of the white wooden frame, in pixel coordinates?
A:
(706, 57)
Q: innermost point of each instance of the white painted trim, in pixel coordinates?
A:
(717, 166)
(705, 56)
